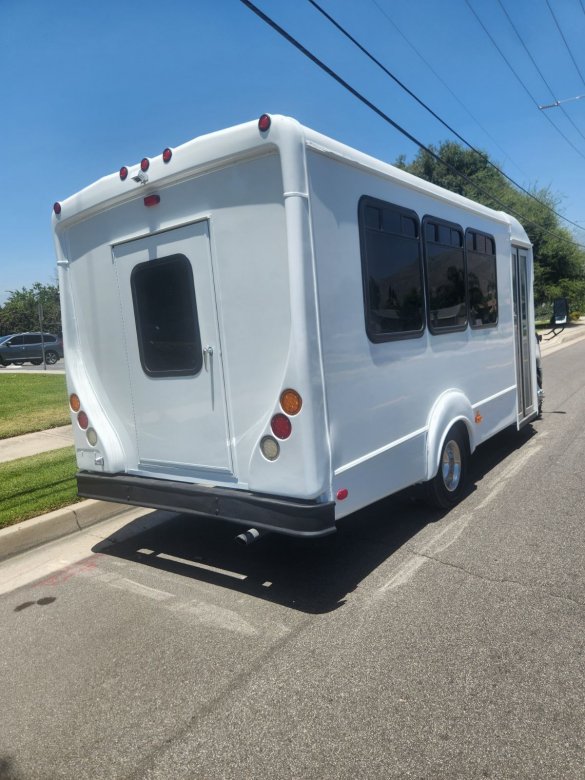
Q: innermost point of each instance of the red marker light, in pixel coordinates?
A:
(57, 208)
(167, 154)
(342, 494)
(82, 420)
(264, 123)
(281, 426)
(151, 200)
(144, 164)
(123, 173)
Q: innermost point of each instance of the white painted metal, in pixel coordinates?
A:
(269, 223)
(180, 423)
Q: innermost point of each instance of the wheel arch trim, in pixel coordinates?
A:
(450, 408)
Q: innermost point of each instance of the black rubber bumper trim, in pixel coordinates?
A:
(254, 510)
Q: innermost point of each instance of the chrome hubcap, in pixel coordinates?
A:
(451, 466)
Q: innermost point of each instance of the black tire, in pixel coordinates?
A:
(448, 486)
(36, 362)
(51, 357)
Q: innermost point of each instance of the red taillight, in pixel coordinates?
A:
(123, 173)
(151, 200)
(281, 426)
(82, 420)
(57, 208)
(144, 164)
(264, 123)
(167, 154)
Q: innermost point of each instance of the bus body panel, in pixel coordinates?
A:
(266, 225)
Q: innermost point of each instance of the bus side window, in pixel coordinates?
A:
(391, 270)
(482, 282)
(445, 264)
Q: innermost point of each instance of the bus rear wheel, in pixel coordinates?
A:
(448, 486)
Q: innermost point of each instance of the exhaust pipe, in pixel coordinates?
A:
(249, 537)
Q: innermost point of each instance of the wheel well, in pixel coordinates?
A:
(452, 410)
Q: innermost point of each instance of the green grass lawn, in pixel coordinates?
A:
(35, 485)
(32, 402)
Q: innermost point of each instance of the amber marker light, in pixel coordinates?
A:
(74, 402)
(291, 402)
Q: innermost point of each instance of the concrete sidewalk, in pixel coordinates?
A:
(39, 530)
(34, 443)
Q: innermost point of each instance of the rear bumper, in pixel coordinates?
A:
(291, 516)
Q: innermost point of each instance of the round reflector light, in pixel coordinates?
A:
(74, 402)
(291, 402)
(167, 154)
(144, 164)
(281, 426)
(57, 208)
(123, 173)
(82, 420)
(92, 437)
(342, 494)
(151, 200)
(264, 123)
(270, 448)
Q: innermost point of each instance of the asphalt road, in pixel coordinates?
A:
(413, 644)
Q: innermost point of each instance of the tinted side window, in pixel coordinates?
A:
(482, 283)
(166, 317)
(32, 338)
(391, 270)
(17, 341)
(445, 275)
(50, 339)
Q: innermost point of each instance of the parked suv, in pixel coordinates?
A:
(28, 348)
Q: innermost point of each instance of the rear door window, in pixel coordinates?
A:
(165, 310)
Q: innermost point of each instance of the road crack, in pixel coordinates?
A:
(499, 581)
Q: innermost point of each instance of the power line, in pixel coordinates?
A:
(552, 13)
(444, 83)
(434, 114)
(523, 85)
(550, 89)
(282, 32)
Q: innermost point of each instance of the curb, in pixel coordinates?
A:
(39, 530)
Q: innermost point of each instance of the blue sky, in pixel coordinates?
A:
(88, 87)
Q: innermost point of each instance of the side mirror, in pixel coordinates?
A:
(560, 311)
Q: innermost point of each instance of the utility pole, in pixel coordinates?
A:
(40, 309)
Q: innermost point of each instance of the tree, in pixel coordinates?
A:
(21, 310)
(558, 260)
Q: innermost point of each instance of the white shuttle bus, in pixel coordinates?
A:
(269, 327)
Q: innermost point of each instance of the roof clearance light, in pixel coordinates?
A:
(82, 420)
(264, 123)
(270, 448)
(167, 154)
(144, 164)
(123, 173)
(281, 426)
(291, 402)
(74, 402)
(151, 200)
(57, 208)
